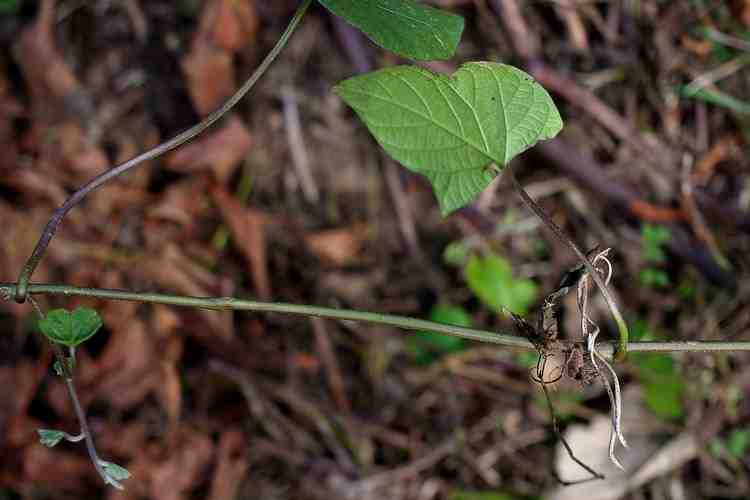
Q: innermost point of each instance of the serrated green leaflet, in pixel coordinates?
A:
(70, 328)
(404, 27)
(450, 129)
(114, 473)
(50, 437)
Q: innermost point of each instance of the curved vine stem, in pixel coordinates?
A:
(8, 290)
(180, 139)
(622, 327)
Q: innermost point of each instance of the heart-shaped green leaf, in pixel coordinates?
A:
(491, 279)
(404, 27)
(70, 328)
(450, 129)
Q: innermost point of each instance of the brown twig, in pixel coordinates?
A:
(333, 372)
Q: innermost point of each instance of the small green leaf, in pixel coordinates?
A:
(491, 279)
(70, 328)
(664, 397)
(739, 442)
(404, 27)
(653, 238)
(653, 278)
(427, 346)
(114, 473)
(50, 437)
(8, 6)
(456, 253)
(662, 384)
(451, 129)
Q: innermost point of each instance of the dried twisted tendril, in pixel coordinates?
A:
(590, 331)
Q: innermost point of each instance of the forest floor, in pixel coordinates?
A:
(290, 199)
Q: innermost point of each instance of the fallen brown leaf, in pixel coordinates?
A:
(225, 27)
(210, 76)
(219, 151)
(184, 468)
(248, 229)
(230, 24)
(231, 466)
(338, 247)
(50, 81)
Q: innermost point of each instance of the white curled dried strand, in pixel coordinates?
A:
(615, 397)
(616, 382)
(617, 407)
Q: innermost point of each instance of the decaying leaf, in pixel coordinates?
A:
(249, 233)
(338, 247)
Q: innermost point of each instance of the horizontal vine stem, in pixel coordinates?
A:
(8, 290)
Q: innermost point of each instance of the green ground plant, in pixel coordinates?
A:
(653, 240)
(459, 131)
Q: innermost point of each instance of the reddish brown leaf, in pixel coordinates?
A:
(184, 468)
(248, 229)
(49, 79)
(338, 247)
(219, 151)
(231, 466)
(226, 26)
(210, 76)
(230, 24)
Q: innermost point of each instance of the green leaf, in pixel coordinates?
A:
(739, 442)
(404, 27)
(456, 253)
(491, 279)
(452, 128)
(427, 346)
(662, 384)
(653, 278)
(114, 473)
(70, 328)
(664, 397)
(8, 6)
(653, 238)
(50, 437)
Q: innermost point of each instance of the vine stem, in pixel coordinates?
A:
(54, 222)
(8, 290)
(622, 327)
